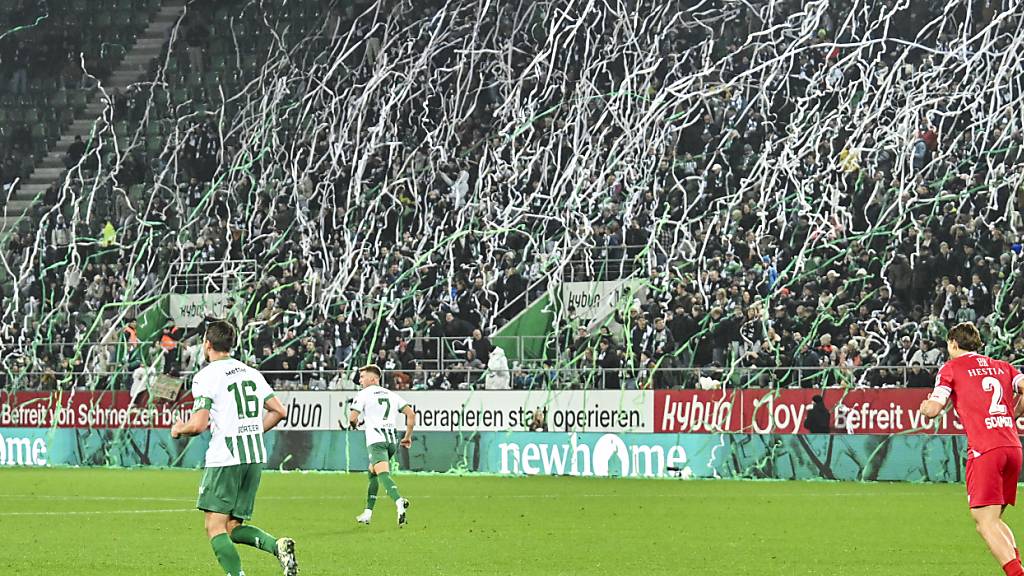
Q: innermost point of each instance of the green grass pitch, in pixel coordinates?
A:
(106, 521)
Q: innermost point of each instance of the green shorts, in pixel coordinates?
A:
(230, 490)
(382, 452)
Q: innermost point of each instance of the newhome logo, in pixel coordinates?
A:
(610, 455)
(22, 451)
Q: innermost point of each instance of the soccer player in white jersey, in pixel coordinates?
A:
(239, 406)
(380, 408)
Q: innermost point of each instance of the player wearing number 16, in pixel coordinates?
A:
(982, 391)
(238, 405)
(380, 409)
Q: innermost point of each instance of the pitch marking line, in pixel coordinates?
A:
(100, 512)
(271, 498)
(421, 497)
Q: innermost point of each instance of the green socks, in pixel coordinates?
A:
(389, 485)
(226, 554)
(253, 536)
(371, 491)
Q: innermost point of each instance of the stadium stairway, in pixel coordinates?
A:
(148, 46)
(527, 336)
(524, 337)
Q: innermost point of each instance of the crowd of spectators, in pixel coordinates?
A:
(775, 175)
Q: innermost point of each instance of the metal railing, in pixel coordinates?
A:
(603, 263)
(213, 276)
(586, 263)
(517, 304)
(528, 378)
(431, 351)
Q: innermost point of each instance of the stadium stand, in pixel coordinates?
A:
(401, 193)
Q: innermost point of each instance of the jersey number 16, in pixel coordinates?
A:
(246, 401)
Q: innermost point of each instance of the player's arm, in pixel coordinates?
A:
(276, 412)
(932, 405)
(930, 408)
(356, 410)
(410, 423)
(197, 423)
(1018, 390)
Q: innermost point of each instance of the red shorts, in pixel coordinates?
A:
(992, 477)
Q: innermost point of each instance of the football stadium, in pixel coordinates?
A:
(511, 287)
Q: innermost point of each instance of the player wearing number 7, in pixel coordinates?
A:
(982, 391)
(380, 409)
(239, 403)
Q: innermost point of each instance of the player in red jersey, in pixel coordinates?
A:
(982, 391)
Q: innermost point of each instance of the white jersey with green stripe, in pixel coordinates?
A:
(234, 394)
(380, 409)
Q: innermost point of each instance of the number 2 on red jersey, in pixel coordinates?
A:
(995, 387)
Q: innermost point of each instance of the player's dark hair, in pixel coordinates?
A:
(966, 336)
(220, 335)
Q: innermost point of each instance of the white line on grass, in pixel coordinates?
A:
(99, 512)
(101, 498)
(420, 497)
(265, 498)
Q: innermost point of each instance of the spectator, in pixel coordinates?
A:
(807, 361)
(510, 290)
(817, 421)
(75, 152)
(901, 355)
(609, 362)
(20, 63)
(663, 342)
(456, 327)
(926, 355)
(170, 349)
(498, 376)
(481, 346)
(538, 421)
(918, 378)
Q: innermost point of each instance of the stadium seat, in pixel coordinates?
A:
(139, 20)
(179, 96)
(77, 100)
(154, 146)
(137, 193)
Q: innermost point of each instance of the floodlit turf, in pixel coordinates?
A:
(121, 522)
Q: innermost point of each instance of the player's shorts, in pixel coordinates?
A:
(992, 477)
(382, 452)
(230, 490)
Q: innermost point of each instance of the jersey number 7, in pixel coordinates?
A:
(246, 401)
(387, 406)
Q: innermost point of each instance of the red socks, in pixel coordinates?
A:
(1016, 552)
(1013, 568)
